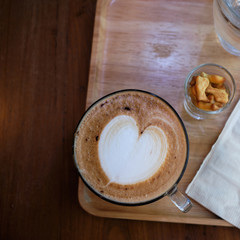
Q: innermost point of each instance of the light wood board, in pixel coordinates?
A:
(152, 45)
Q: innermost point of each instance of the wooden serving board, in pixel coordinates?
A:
(152, 45)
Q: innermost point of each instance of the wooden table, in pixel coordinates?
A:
(45, 50)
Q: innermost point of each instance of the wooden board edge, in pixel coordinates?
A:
(98, 39)
(97, 45)
(143, 217)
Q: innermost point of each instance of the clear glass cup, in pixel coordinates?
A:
(226, 14)
(213, 69)
(180, 200)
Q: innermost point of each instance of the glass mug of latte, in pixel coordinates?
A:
(131, 148)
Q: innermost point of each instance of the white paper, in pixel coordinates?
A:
(217, 183)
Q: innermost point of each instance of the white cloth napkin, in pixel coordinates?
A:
(217, 183)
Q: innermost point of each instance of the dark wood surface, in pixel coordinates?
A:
(45, 49)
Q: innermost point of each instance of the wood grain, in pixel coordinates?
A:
(45, 49)
(146, 49)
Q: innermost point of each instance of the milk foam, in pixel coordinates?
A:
(128, 157)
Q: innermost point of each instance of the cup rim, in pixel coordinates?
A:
(130, 203)
(190, 74)
(229, 12)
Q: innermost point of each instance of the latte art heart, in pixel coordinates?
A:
(128, 157)
(130, 147)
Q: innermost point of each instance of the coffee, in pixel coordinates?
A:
(130, 147)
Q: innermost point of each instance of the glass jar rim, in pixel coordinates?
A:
(190, 74)
(231, 12)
